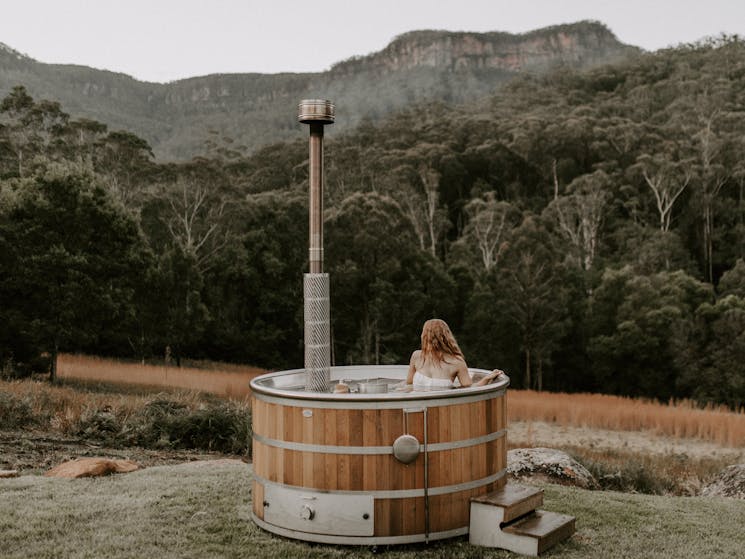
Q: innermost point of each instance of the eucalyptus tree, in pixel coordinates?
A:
(530, 293)
(414, 182)
(383, 285)
(30, 129)
(488, 227)
(667, 178)
(579, 214)
(125, 163)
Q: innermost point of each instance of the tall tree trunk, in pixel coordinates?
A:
(539, 372)
(742, 217)
(707, 239)
(377, 346)
(53, 368)
(527, 369)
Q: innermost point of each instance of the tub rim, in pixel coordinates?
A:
(258, 386)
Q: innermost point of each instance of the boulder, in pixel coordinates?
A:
(548, 465)
(8, 473)
(92, 467)
(730, 482)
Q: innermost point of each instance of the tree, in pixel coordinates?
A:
(30, 129)
(124, 161)
(414, 183)
(254, 292)
(532, 295)
(579, 214)
(489, 224)
(667, 179)
(712, 353)
(635, 325)
(383, 286)
(732, 281)
(195, 219)
(71, 258)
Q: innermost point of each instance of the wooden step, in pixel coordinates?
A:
(508, 519)
(514, 499)
(546, 528)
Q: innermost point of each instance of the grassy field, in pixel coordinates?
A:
(682, 419)
(202, 509)
(119, 417)
(223, 379)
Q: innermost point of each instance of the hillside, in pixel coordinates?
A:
(256, 109)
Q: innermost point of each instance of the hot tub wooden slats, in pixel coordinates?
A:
(348, 450)
(257, 494)
(378, 472)
(377, 427)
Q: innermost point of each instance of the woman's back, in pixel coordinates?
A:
(440, 361)
(447, 368)
(437, 373)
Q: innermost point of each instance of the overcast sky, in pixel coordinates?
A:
(164, 40)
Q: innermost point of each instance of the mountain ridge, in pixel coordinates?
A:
(254, 109)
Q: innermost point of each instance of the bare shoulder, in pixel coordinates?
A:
(415, 356)
(455, 360)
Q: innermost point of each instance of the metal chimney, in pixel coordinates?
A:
(317, 113)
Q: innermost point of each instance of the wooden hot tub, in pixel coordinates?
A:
(332, 467)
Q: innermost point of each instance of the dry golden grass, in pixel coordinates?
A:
(682, 419)
(222, 379)
(61, 407)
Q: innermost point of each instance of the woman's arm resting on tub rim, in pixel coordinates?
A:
(489, 378)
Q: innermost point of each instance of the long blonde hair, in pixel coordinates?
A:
(437, 341)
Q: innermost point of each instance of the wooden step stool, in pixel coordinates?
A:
(509, 519)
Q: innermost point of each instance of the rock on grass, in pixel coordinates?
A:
(548, 464)
(92, 467)
(730, 482)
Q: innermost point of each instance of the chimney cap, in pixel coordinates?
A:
(315, 111)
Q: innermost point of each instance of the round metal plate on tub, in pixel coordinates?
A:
(406, 448)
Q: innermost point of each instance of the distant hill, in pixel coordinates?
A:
(255, 109)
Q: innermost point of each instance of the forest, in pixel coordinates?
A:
(582, 230)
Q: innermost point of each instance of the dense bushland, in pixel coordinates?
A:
(583, 231)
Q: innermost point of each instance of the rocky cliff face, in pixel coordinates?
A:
(578, 45)
(256, 109)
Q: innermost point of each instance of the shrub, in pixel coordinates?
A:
(219, 426)
(654, 474)
(101, 425)
(15, 411)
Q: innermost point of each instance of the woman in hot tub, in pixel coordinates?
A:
(440, 361)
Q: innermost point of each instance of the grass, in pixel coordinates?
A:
(185, 419)
(655, 474)
(223, 379)
(202, 510)
(683, 419)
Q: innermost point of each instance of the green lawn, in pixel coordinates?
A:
(201, 510)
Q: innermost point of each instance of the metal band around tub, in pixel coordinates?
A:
(396, 493)
(357, 450)
(372, 404)
(355, 540)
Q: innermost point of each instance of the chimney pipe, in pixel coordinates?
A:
(317, 113)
